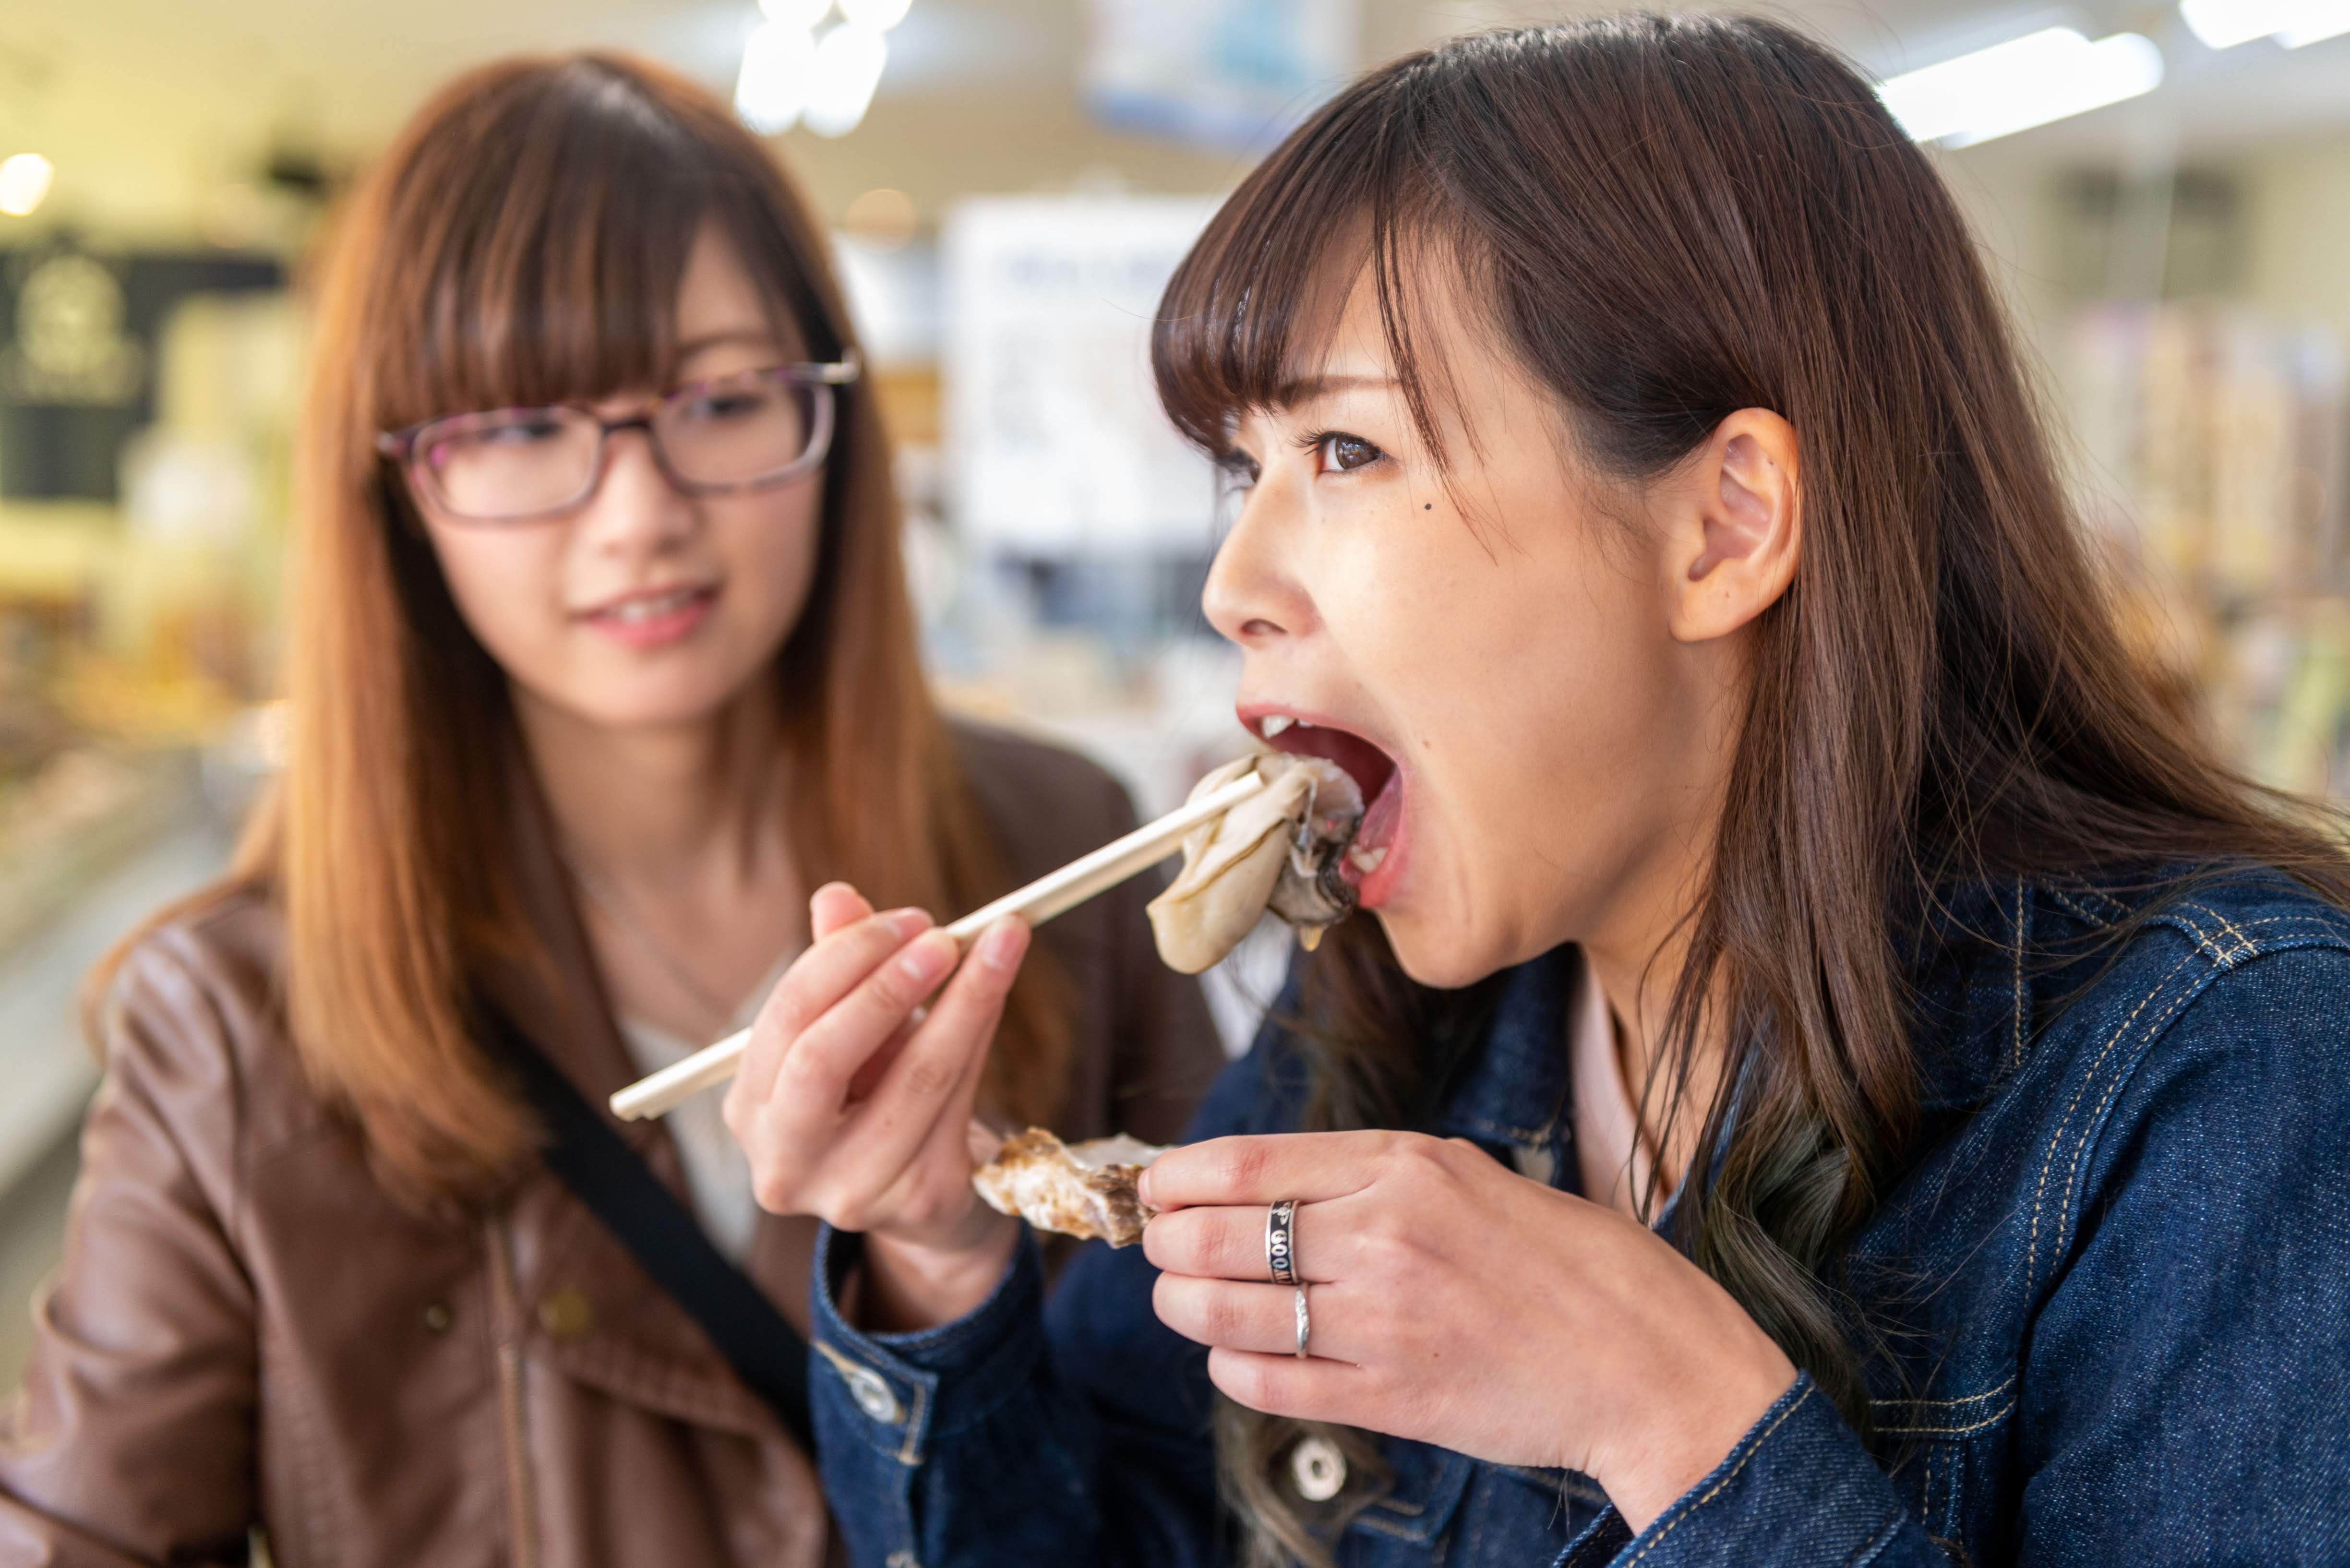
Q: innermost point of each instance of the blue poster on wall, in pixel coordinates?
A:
(1236, 74)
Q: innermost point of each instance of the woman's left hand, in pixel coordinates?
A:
(1455, 1303)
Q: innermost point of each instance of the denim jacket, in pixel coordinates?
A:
(2110, 1298)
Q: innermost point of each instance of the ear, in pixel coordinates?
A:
(1736, 529)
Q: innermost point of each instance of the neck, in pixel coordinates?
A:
(664, 805)
(1637, 954)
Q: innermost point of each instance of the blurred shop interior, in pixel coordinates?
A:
(2164, 190)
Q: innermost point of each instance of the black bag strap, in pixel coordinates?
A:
(663, 1236)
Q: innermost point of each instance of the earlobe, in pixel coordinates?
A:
(1739, 534)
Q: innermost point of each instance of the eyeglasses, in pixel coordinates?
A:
(720, 437)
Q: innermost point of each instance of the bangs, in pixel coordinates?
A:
(1252, 305)
(548, 232)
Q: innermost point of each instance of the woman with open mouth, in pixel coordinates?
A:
(1835, 1073)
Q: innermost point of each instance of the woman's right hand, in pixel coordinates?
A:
(855, 1106)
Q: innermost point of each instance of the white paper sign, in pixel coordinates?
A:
(1055, 440)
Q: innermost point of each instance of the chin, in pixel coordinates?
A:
(665, 706)
(1440, 954)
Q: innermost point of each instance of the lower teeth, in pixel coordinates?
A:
(1366, 860)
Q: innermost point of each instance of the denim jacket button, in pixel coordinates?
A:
(1317, 1468)
(872, 1394)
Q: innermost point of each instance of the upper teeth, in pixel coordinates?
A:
(1274, 724)
(645, 609)
(1366, 860)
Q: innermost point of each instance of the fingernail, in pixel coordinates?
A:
(927, 960)
(1142, 1189)
(1001, 948)
(907, 923)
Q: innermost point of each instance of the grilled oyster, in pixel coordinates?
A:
(1077, 1189)
(1280, 850)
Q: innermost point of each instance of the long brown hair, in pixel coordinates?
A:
(523, 242)
(1666, 219)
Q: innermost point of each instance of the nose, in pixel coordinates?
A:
(636, 509)
(1254, 596)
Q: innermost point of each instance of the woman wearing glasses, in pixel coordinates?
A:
(601, 666)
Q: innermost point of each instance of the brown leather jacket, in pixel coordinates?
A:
(248, 1333)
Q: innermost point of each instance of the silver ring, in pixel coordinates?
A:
(1304, 1324)
(1280, 1241)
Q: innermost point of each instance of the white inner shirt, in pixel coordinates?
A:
(1613, 1154)
(717, 1173)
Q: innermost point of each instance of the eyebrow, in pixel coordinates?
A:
(1289, 394)
(757, 337)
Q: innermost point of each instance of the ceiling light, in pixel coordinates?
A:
(796, 13)
(777, 62)
(2316, 21)
(24, 182)
(845, 71)
(2224, 23)
(2027, 81)
(878, 15)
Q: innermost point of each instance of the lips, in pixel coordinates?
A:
(652, 616)
(1373, 863)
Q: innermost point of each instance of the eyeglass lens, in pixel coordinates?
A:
(520, 462)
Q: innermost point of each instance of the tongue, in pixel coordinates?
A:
(1382, 816)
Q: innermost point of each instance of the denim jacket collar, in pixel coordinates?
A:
(1512, 1092)
(1971, 989)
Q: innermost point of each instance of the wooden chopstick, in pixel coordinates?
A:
(1049, 896)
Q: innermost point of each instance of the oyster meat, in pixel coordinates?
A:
(1074, 1189)
(1279, 849)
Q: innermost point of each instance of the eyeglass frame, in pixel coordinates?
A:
(400, 446)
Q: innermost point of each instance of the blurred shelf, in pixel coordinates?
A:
(66, 897)
(85, 812)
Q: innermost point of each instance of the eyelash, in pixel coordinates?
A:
(1242, 470)
(1319, 439)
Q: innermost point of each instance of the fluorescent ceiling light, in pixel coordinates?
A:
(2314, 21)
(2015, 85)
(23, 184)
(2224, 23)
(846, 69)
(796, 13)
(2318, 22)
(777, 62)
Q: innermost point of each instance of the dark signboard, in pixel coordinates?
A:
(79, 331)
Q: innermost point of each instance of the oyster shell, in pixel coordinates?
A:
(1077, 1189)
(1280, 850)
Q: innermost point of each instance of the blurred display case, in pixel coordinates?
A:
(2215, 447)
(146, 404)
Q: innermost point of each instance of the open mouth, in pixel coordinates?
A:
(647, 619)
(1374, 773)
(638, 609)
